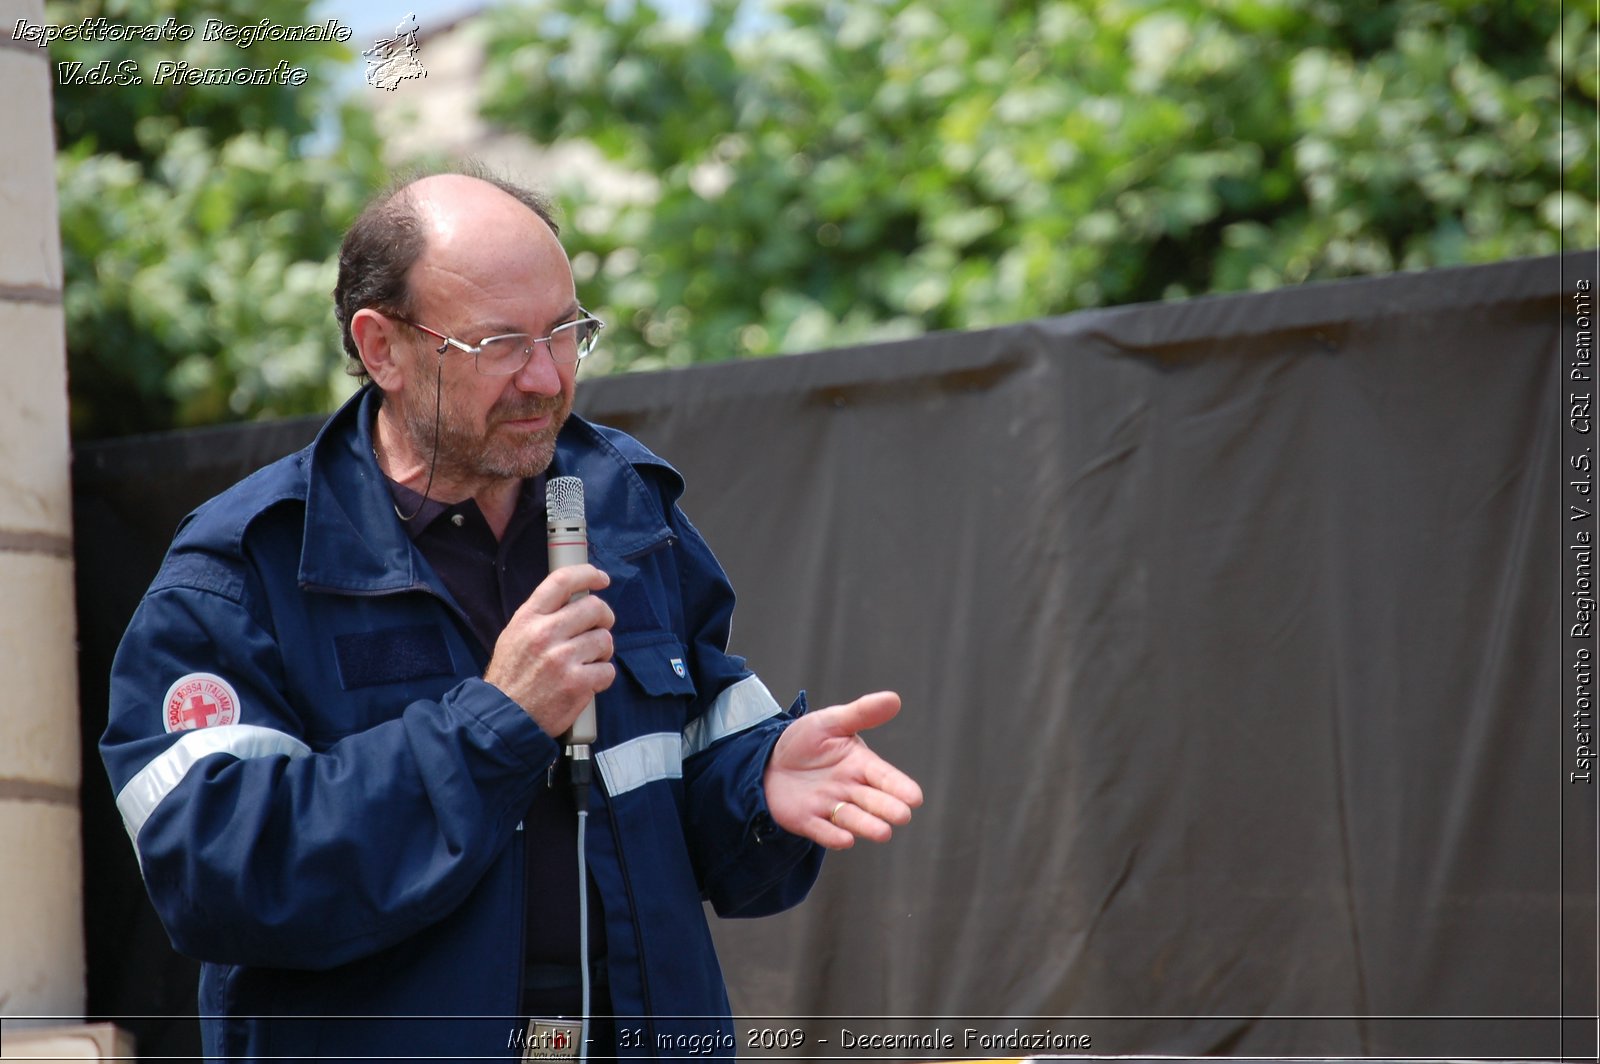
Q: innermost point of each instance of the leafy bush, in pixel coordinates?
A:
(831, 172)
(199, 224)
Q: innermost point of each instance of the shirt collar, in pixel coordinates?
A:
(529, 508)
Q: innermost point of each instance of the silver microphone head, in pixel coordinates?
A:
(563, 500)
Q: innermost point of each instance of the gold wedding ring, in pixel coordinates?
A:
(833, 817)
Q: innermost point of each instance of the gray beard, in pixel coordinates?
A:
(466, 457)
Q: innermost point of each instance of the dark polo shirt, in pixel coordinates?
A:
(490, 579)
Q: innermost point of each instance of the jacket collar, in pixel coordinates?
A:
(624, 513)
(355, 543)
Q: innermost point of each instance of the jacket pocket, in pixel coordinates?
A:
(642, 715)
(656, 662)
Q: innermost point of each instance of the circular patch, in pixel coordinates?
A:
(200, 700)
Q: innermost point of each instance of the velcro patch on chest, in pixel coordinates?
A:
(391, 655)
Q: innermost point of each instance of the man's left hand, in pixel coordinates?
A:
(823, 782)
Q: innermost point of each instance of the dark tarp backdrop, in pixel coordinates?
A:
(1229, 633)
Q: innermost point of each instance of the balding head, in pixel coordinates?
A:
(390, 236)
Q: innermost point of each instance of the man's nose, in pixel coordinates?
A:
(540, 375)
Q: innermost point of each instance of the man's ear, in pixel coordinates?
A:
(376, 337)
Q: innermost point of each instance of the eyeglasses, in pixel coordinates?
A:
(499, 356)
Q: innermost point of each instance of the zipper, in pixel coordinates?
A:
(669, 540)
(519, 917)
(633, 909)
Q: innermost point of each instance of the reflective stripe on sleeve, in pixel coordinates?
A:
(657, 756)
(743, 705)
(660, 755)
(156, 780)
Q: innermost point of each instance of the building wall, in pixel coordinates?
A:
(41, 937)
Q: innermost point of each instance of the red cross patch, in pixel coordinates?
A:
(200, 700)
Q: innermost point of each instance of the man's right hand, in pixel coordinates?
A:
(555, 654)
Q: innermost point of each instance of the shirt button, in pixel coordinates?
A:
(458, 519)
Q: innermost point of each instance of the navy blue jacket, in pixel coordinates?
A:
(326, 797)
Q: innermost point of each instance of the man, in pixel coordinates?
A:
(335, 715)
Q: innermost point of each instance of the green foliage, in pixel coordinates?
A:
(827, 172)
(198, 230)
(844, 170)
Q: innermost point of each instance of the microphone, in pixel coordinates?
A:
(568, 538)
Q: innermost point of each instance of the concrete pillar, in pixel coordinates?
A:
(41, 877)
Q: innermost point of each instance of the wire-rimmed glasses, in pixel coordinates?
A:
(499, 356)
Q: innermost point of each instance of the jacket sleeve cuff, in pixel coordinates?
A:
(771, 868)
(494, 710)
(764, 830)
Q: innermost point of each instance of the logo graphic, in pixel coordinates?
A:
(677, 667)
(550, 1040)
(391, 61)
(200, 700)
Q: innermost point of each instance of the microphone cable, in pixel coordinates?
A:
(582, 768)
